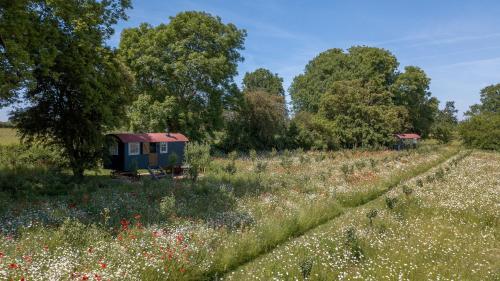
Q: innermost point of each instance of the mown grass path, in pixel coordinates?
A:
(348, 202)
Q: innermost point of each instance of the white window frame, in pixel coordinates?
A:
(113, 149)
(130, 146)
(163, 147)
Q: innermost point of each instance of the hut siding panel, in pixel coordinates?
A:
(142, 159)
(177, 147)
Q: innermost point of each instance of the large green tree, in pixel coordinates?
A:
(358, 63)
(360, 115)
(445, 123)
(54, 59)
(490, 101)
(260, 123)
(193, 60)
(411, 90)
(260, 120)
(349, 99)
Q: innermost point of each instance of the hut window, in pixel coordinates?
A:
(113, 149)
(134, 148)
(163, 147)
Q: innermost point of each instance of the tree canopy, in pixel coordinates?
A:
(188, 63)
(358, 63)
(490, 101)
(358, 115)
(482, 128)
(411, 90)
(55, 60)
(263, 80)
(260, 120)
(359, 98)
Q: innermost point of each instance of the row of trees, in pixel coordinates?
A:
(180, 75)
(482, 127)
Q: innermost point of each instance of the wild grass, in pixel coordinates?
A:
(446, 230)
(177, 229)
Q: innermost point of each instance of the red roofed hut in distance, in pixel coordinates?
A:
(129, 152)
(404, 141)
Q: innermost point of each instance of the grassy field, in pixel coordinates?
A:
(441, 225)
(240, 210)
(8, 136)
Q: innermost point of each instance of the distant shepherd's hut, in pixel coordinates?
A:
(404, 141)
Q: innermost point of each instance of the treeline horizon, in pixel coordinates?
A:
(180, 75)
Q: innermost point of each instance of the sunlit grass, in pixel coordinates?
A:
(8, 136)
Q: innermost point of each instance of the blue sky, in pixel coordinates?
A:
(457, 42)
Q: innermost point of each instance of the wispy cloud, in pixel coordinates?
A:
(432, 39)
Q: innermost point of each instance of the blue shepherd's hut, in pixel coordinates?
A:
(405, 141)
(129, 152)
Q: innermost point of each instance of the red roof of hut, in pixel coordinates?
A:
(408, 136)
(152, 137)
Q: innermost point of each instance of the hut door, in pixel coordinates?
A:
(153, 156)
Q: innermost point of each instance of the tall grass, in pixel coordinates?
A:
(267, 236)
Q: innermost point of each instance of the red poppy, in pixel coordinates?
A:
(137, 216)
(13, 266)
(125, 223)
(85, 277)
(180, 238)
(1, 255)
(98, 277)
(22, 279)
(103, 265)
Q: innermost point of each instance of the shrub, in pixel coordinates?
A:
(429, 178)
(260, 167)
(306, 267)
(391, 202)
(439, 174)
(231, 166)
(420, 183)
(371, 215)
(481, 131)
(407, 190)
(443, 132)
(167, 206)
(197, 158)
(353, 244)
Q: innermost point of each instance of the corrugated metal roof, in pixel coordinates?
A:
(152, 137)
(408, 136)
